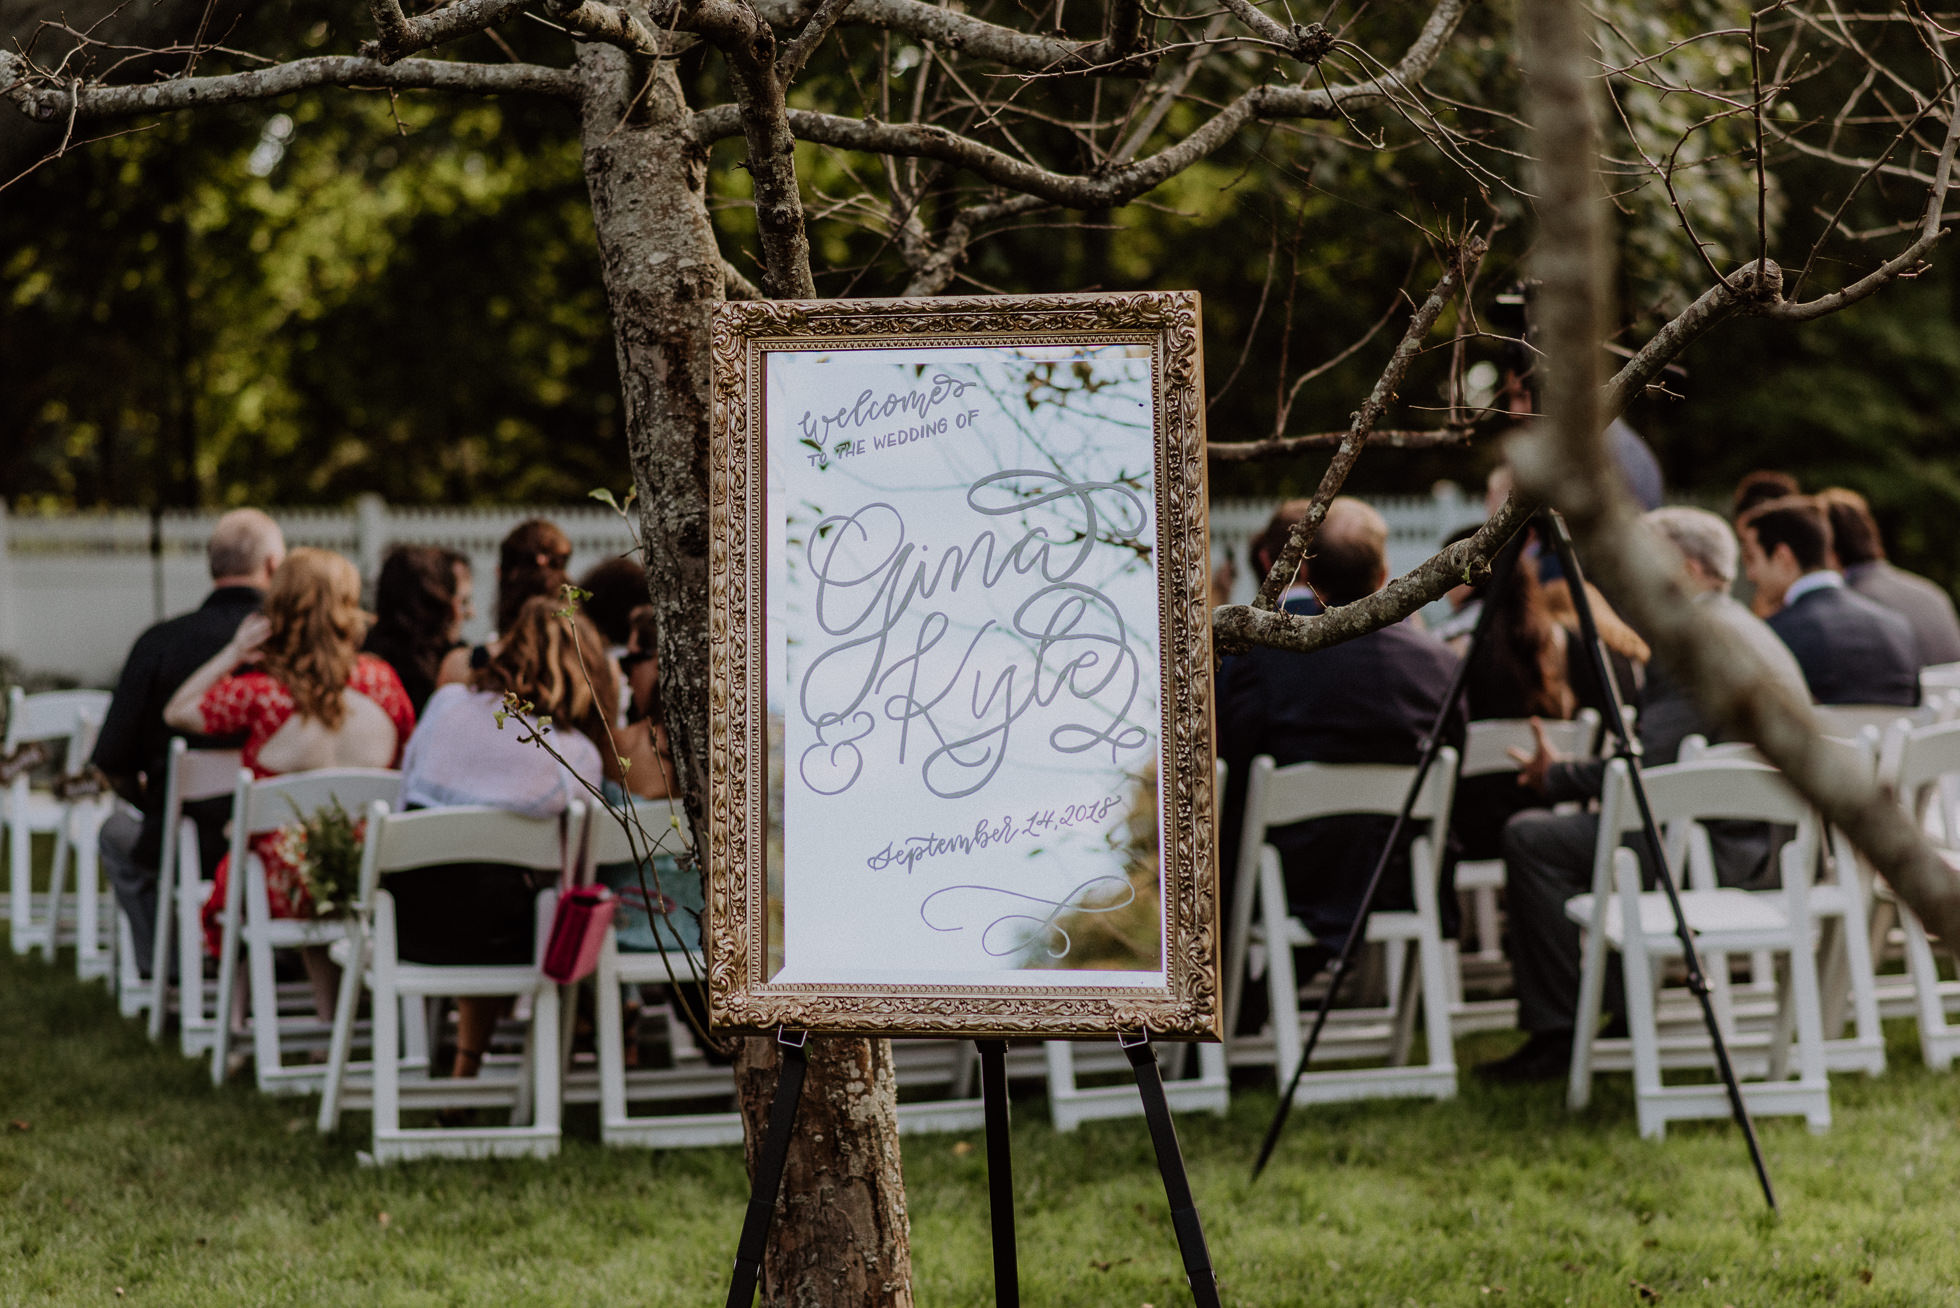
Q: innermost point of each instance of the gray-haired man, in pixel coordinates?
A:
(245, 548)
(1548, 857)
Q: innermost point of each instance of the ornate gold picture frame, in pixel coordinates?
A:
(962, 776)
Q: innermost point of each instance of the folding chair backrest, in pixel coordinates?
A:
(659, 826)
(1917, 759)
(275, 802)
(1277, 795)
(49, 715)
(1849, 721)
(197, 774)
(1488, 744)
(1940, 676)
(402, 842)
(1710, 789)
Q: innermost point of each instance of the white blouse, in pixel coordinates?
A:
(458, 755)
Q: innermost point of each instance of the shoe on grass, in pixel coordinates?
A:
(1546, 1056)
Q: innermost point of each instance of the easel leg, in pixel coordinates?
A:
(769, 1172)
(1000, 1171)
(1170, 1161)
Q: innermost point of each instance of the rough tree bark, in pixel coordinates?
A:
(841, 1235)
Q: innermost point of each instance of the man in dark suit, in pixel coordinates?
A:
(1548, 856)
(1367, 700)
(133, 750)
(1860, 551)
(1851, 650)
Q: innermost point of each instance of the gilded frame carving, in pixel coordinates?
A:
(740, 995)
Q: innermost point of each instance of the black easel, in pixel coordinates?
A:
(1000, 1179)
(1502, 572)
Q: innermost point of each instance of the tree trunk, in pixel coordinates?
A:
(841, 1239)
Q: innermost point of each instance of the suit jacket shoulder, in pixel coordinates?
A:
(1851, 650)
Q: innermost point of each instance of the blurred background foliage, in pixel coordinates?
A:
(292, 303)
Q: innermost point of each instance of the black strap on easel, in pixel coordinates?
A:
(769, 1170)
(1616, 722)
(1170, 1161)
(1502, 569)
(1000, 1171)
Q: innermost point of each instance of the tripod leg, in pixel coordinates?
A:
(1170, 1161)
(1000, 1171)
(769, 1172)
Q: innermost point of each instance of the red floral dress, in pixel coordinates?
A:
(253, 704)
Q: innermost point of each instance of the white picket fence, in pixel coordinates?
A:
(77, 589)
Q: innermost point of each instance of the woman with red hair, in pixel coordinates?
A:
(295, 686)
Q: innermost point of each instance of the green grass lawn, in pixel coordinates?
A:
(125, 1177)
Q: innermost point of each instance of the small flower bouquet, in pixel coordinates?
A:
(326, 849)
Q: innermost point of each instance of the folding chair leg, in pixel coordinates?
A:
(1407, 996)
(609, 1039)
(1637, 970)
(57, 880)
(1585, 1027)
(1438, 970)
(1937, 1052)
(341, 1045)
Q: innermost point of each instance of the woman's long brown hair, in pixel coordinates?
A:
(540, 661)
(314, 605)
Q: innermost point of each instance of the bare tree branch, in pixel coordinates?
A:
(51, 104)
(799, 50)
(1466, 563)
(1567, 461)
(734, 286)
(1464, 258)
(1242, 451)
(398, 35)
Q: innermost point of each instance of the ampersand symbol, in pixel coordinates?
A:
(839, 758)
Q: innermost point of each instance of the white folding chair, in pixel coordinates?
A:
(1939, 677)
(94, 929)
(58, 719)
(691, 1078)
(1852, 721)
(406, 843)
(1922, 765)
(1619, 915)
(190, 775)
(258, 807)
(1487, 750)
(1071, 1103)
(1840, 902)
(1276, 796)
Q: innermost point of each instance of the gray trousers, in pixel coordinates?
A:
(135, 883)
(1548, 858)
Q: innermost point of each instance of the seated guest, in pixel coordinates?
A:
(614, 588)
(133, 749)
(462, 755)
(677, 899)
(421, 600)
(1860, 551)
(530, 562)
(1851, 650)
(1626, 652)
(1518, 671)
(1548, 857)
(313, 700)
(1758, 487)
(1367, 700)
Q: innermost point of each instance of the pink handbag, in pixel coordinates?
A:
(578, 929)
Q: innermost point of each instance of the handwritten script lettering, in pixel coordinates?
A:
(902, 652)
(870, 406)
